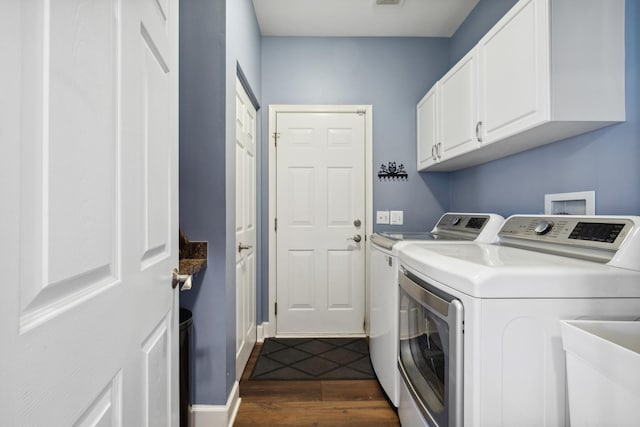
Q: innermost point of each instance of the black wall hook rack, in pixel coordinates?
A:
(392, 172)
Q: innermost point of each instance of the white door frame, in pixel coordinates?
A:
(270, 327)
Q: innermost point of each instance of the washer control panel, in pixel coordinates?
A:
(583, 231)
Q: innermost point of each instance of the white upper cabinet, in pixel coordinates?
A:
(548, 70)
(448, 114)
(427, 129)
(458, 108)
(514, 76)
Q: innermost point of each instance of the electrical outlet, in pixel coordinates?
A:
(382, 217)
(396, 217)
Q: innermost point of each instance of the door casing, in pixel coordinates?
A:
(269, 328)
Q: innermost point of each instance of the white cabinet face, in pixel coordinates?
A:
(458, 108)
(514, 75)
(427, 130)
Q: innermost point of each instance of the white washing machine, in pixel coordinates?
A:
(383, 303)
(480, 341)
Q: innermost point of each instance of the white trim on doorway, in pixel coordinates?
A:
(270, 326)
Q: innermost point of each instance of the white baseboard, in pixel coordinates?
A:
(217, 415)
(265, 330)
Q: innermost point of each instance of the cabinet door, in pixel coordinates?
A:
(514, 72)
(458, 108)
(427, 131)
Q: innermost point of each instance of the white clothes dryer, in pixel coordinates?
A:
(383, 302)
(480, 340)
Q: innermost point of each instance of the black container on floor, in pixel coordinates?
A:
(186, 331)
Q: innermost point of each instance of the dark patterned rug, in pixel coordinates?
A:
(313, 359)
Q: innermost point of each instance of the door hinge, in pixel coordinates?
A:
(276, 135)
(276, 313)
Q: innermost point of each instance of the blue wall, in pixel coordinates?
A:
(214, 36)
(243, 47)
(606, 160)
(202, 185)
(392, 74)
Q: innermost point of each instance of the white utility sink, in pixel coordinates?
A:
(603, 371)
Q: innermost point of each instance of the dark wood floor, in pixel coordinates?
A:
(312, 403)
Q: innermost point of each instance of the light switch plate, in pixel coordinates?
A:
(397, 217)
(382, 217)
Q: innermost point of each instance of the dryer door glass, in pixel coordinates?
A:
(430, 351)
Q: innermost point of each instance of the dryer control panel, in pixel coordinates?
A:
(481, 227)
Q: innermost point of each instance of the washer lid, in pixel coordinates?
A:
(452, 226)
(492, 271)
(388, 240)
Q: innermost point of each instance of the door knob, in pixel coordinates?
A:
(357, 238)
(357, 223)
(242, 247)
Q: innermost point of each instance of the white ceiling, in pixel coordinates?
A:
(361, 18)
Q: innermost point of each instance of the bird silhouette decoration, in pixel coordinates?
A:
(392, 172)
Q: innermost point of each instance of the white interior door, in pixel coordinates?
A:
(245, 228)
(320, 210)
(89, 315)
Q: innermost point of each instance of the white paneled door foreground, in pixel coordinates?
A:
(320, 223)
(89, 222)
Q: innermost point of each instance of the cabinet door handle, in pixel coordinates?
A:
(478, 137)
(433, 152)
(439, 150)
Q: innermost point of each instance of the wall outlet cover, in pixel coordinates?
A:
(382, 217)
(397, 217)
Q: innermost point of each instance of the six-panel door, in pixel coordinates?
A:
(320, 195)
(90, 315)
